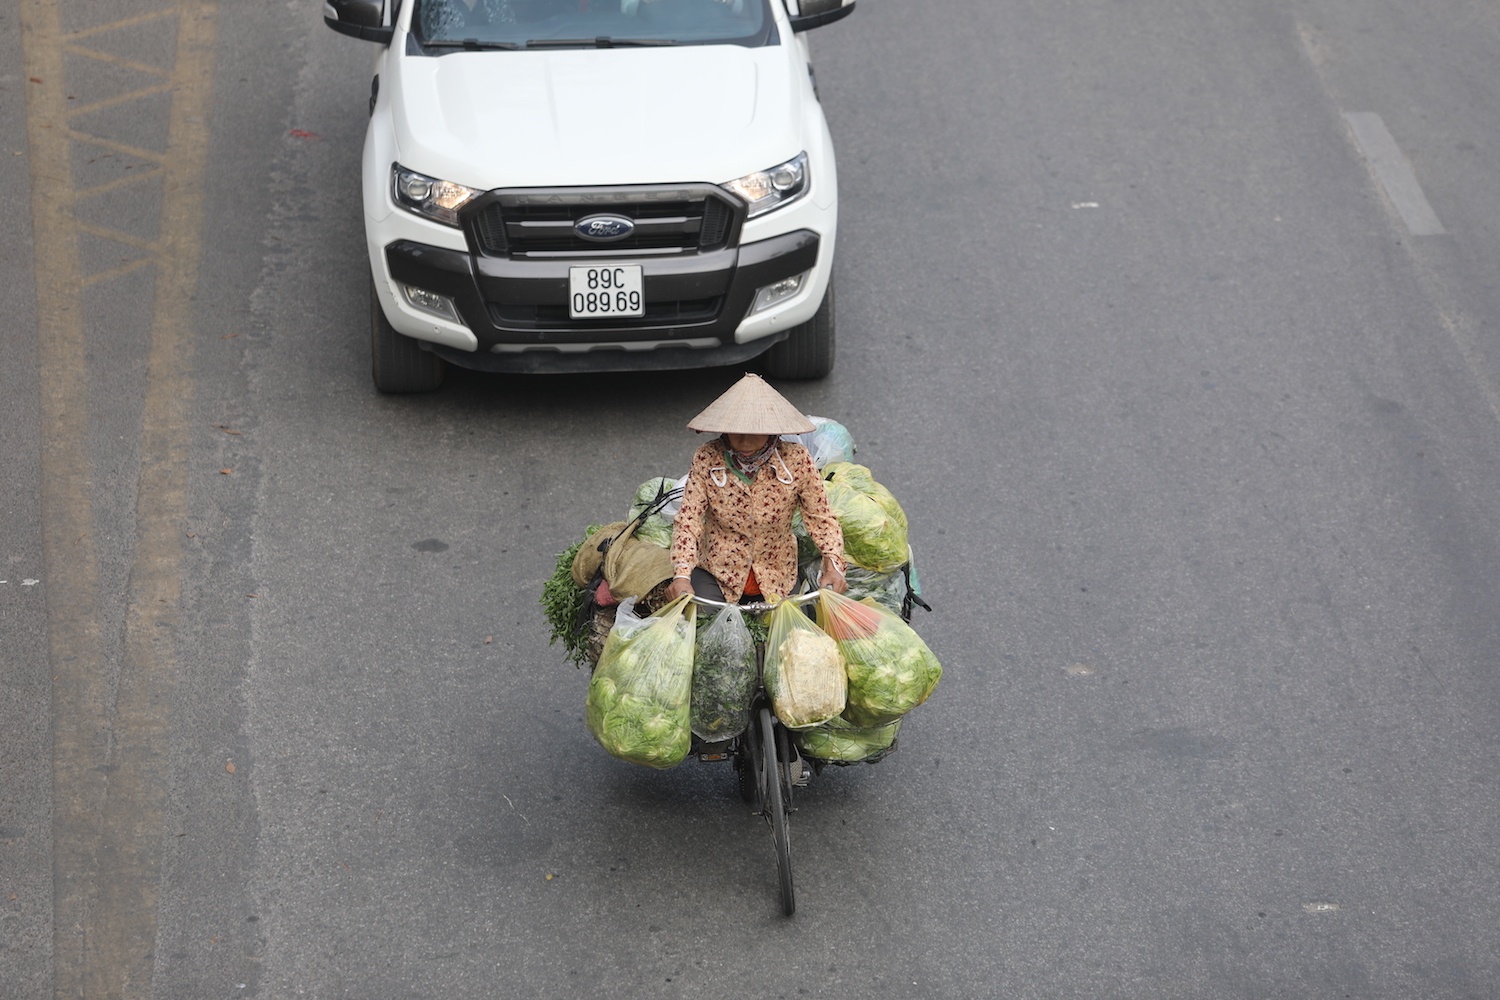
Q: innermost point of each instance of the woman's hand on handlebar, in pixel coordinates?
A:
(679, 586)
(831, 577)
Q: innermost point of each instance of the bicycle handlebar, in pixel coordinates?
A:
(756, 606)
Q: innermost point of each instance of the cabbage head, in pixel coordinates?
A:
(657, 527)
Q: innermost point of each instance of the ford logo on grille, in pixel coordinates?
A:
(604, 228)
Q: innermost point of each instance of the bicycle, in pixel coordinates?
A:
(766, 761)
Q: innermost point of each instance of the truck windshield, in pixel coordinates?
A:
(446, 24)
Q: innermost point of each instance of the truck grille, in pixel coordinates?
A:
(667, 220)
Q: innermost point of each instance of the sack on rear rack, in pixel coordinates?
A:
(804, 672)
(891, 670)
(638, 704)
(724, 678)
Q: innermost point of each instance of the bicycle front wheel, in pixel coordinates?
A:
(769, 771)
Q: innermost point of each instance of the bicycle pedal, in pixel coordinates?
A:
(798, 773)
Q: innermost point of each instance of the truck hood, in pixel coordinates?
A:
(596, 116)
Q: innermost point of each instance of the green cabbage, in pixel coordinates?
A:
(654, 528)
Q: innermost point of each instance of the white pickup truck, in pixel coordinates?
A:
(595, 186)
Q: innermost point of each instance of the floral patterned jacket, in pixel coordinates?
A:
(728, 526)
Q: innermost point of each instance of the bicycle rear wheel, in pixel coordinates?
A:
(769, 771)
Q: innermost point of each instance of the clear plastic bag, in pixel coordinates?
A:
(804, 673)
(828, 441)
(655, 495)
(638, 704)
(724, 677)
(874, 525)
(890, 669)
(842, 742)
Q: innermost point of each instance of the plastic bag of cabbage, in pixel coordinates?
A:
(638, 704)
(663, 496)
(891, 670)
(724, 677)
(875, 528)
(842, 742)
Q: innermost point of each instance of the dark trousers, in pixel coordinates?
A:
(705, 585)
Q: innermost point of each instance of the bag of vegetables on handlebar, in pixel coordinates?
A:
(891, 670)
(639, 696)
(804, 675)
(724, 677)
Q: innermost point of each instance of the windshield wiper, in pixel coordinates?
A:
(602, 42)
(469, 44)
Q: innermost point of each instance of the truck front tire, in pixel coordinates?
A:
(397, 362)
(807, 352)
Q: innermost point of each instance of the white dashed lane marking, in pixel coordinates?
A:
(1395, 174)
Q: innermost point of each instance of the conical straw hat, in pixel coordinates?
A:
(750, 406)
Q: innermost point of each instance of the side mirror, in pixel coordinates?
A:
(816, 13)
(362, 19)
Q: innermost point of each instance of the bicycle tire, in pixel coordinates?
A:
(770, 782)
(783, 769)
(746, 767)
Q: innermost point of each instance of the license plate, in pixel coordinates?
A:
(599, 292)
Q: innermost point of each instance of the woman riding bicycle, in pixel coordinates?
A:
(733, 536)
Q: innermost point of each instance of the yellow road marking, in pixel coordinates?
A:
(125, 22)
(137, 152)
(117, 272)
(109, 744)
(119, 182)
(79, 689)
(105, 232)
(119, 99)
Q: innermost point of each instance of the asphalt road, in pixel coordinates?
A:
(1174, 327)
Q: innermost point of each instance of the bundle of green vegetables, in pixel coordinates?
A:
(891, 670)
(638, 704)
(724, 677)
(562, 602)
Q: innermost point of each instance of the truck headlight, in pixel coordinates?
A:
(429, 197)
(773, 188)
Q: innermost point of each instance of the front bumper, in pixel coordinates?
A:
(516, 309)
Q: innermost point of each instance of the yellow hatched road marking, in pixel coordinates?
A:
(119, 99)
(104, 232)
(137, 152)
(110, 741)
(120, 182)
(117, 272)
